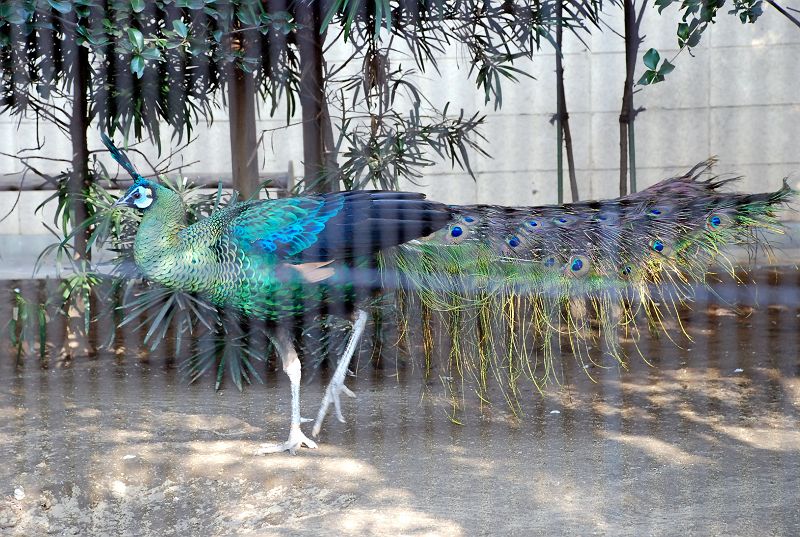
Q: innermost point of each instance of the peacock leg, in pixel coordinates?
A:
(336, 385)
(291, 366)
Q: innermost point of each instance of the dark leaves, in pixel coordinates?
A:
(654, 73)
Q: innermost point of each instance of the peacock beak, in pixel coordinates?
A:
(123, 201)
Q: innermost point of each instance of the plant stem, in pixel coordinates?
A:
(632, 152)
(560, 164)
(573, 178)
(560, 95)
(80, 178)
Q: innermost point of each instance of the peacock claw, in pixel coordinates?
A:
(296, 440)
(332, 395)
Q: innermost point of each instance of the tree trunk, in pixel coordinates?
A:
(80, 177)
(627, 116)
(242, 114)
(562, 117)
(627, 95)
(243, 137)
(573, 178)
(312, 98)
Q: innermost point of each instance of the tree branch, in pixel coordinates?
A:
(784, 12)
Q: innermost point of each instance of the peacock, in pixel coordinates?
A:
(574, 272)
(277, 261)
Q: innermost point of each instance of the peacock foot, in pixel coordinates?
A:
(296, 440)
(332, 395)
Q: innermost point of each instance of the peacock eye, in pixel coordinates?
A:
(137, 195)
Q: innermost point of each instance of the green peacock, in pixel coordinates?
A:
(577, 272)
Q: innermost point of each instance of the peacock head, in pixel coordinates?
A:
(140, 195)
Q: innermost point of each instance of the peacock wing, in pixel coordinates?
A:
(335, 226)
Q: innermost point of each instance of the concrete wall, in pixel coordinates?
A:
(737, 98)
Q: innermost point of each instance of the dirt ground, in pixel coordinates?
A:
(705, 441)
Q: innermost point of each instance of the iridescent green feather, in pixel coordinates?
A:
(224, 257)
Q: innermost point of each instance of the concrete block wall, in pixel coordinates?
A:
(19, 214)
(737, 98)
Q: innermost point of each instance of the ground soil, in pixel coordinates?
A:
(703, 441)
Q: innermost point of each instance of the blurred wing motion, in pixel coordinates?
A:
(556, 271)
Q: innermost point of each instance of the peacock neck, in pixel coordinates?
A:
(159, 230)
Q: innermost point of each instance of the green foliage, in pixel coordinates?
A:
(61, 7)
(27, 326)
(689, 34)
(225, 346)
(393, 147)
(171, 48)
(654, 73)
(388, 131)
(493, 34)
(748, 10)
(166, 61)
(696, 17)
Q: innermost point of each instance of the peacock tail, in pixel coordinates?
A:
(517, 285)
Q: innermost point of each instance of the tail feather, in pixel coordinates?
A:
(573, 270)
(677, 227)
